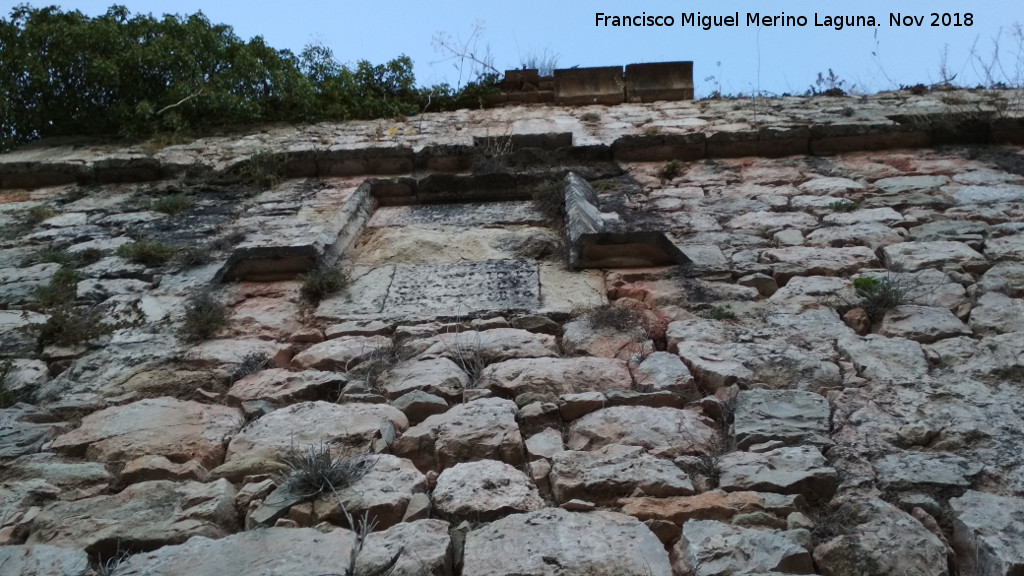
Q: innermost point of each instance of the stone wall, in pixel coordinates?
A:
(680, 338)
(607, 85)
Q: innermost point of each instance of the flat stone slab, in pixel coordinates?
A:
(712, 505)
(885, 359)
(662, 431)
(484, 429)
(179, 430)
(997, 314)
(922, 323)
(791, 470)
(42, 560)
(595, 543)
(879, 539)
(612, 472)
(142, 515)
(556, 376)
(990, 530)
(18, 284)
(712, 548)
(484, 490)
(966, 195)
(925, 469)
(788, 416)
(473, 287)
(289, 551)
(913, 256)
(900, 184)
(345, 426)
(463, 215)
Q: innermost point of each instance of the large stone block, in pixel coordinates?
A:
(659, 81)
(602, 85)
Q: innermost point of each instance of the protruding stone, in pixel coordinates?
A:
(179, 430)
(155, 467)
(339, 353)
(383, 493)
(763, 283)
(483, 491)
(988, 534)
(881, 540)
(146, 514)
(594, 543)
(483, 429)
(662, 431)
(556, 376)
(710, 548)
(419, 405)
(792, 470)
(43, 560)
(438, 376)
(282, 387)
(260, 447)
(913, 256)
(790, 416)
(922, 323)
(545, 444)
(612, 472)
(663, 371)
(918, 470)
(858, 321)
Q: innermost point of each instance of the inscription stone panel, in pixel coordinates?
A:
(444, 289)
(463, 288)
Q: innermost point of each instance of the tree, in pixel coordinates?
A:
(64, 73)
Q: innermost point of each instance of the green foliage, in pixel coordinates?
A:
(263, 170)
(721, 313)
(190, 256)
(316, 471)
(88, 256)
(7, 397)
(149, 252)
(843, 206)
(70, 325)
(866, 285)
(56, 256)
(370, 367)
(611, 317)
(251, 363)
(322, 281)
(204, 315)
(549, 200)
(62, 289)
(173, 204)
(137, 75)
(877, 296)
(829, 85)
(35, 215)
(670, 170)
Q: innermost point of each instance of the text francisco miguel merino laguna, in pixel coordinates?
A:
(709, 21)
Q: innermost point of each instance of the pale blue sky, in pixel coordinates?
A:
(775, 60)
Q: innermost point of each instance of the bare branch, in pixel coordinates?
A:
(180, 102)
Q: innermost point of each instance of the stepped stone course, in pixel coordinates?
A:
(668, 366)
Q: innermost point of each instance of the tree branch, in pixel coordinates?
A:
(180, 102)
